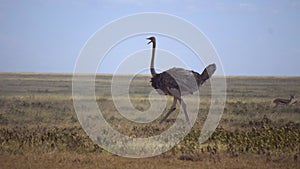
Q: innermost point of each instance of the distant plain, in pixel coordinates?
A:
(39, 127)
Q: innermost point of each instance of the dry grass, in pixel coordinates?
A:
(69, 160)
(35, 101)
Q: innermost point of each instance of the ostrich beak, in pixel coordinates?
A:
(149, 41)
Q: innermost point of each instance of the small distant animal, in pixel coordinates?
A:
(280, 101)
(166, 84)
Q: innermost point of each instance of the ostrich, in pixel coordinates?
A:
(166, 84)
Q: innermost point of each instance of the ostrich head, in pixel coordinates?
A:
(152, 39)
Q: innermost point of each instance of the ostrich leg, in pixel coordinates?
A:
(184, 109)
(173, 107)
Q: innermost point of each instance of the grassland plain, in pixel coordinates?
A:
(39, 127)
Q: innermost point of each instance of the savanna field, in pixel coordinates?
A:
(39, 127)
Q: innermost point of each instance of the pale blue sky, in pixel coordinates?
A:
(251, 37)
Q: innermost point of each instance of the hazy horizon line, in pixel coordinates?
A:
(109, 74)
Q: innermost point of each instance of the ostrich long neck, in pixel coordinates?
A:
(152, 59)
